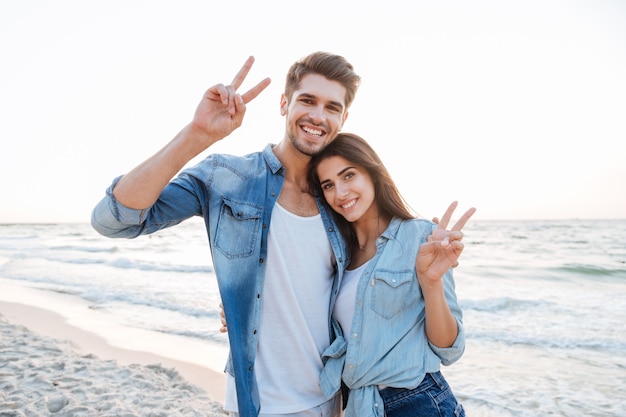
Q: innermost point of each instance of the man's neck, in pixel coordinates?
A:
(295, 162)
(295, 196)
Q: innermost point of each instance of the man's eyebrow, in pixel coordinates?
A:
(312, 96)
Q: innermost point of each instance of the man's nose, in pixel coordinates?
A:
(317, 114)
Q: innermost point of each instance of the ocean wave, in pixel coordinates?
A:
(587, 270)
(592, 343)
(126, 263)
(495, 305)
(104, 299)
(85, 248)
(70, 257)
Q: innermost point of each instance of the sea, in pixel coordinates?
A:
(544, 302)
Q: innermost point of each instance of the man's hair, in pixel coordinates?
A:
(331, 66)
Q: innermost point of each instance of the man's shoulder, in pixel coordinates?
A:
(241, 165)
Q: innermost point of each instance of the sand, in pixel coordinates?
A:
(58, 358)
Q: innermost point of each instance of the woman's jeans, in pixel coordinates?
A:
(433, 397)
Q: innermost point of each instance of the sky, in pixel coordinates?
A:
(517, 108)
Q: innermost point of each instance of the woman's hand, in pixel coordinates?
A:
(443, 248)
(223, 329)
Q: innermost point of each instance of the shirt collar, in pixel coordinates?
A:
(270, 158)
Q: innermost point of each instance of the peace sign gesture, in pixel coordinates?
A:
(221, 109)
(443, 248)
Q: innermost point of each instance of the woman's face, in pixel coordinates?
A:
(348, 188)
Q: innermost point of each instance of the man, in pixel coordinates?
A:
(275, 250)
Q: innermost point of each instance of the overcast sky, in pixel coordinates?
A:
(516, 108)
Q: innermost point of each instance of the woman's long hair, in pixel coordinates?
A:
(386, 195)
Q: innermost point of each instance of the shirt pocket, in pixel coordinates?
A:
(237, 229)
(392, 291)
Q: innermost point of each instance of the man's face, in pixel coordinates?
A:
(315, 113)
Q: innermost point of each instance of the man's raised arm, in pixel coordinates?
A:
(218, 114)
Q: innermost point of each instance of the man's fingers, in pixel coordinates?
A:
(249, 95)
(239, 79)
(243, 72)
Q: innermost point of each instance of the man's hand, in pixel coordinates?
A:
(222, 109)
(219, 113)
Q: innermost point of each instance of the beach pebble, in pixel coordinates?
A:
(56, 403)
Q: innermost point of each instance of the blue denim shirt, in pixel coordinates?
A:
(387, 344)
(235, 196)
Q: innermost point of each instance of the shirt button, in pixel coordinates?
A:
(372, 283)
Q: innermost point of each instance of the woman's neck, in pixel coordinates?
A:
(367, 232)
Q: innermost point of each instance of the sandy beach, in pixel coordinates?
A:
(58, 357)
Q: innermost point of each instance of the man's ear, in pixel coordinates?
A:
(283, 105)
(345, 116)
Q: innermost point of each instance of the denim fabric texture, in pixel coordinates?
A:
(235, 195)
(433, 397)
(387, 344)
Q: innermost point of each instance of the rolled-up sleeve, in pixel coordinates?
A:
(451, 354)
(112, 219)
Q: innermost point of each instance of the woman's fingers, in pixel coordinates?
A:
(464, 218)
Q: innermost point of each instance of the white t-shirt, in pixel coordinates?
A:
(294, 316)
(346, 299)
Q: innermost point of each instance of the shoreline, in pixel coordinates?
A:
(68, 318)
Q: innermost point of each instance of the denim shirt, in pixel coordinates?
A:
(235, 196)
(387, 344)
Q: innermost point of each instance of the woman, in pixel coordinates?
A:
(397, 311)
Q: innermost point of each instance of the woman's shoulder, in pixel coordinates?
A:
(414, 230)
(418, 223)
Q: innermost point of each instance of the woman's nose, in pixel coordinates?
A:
(342, 189)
